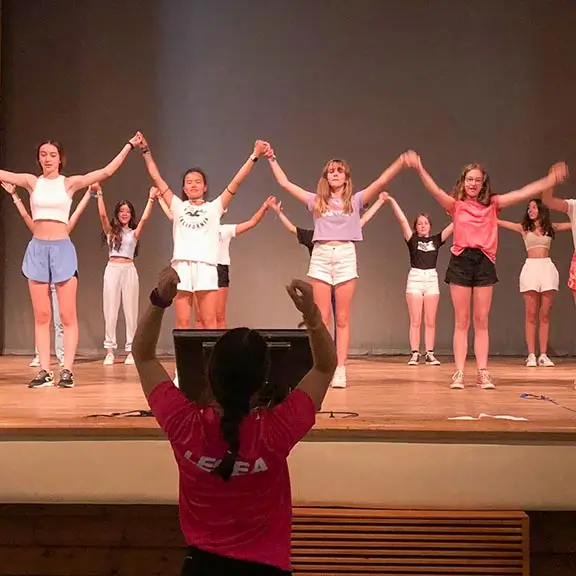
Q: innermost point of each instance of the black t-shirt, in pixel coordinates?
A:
(424, 251)
(305, 238)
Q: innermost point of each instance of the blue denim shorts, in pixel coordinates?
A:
(50, 261)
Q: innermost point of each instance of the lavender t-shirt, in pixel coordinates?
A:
(335, 224)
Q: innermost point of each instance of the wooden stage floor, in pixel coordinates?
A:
(385, 399)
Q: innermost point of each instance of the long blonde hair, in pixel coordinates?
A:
(323, 188)
(485, 194)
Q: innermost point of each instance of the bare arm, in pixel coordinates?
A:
(370, 213)
(511, 226)
(164, 207)
(104, 220)
(554, 203)
(277, 207)
(74, 183)
(26, 181)
(562, 226)
(446, 232)
(11, 189)
(78, 211)
(557, 174)
(315, 383)
(401, 217)
(282, 179)
(164, 191)
(256, 218)
(146, 213)
(380, 183)
(260, 148)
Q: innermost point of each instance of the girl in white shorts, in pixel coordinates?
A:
(337, 227)
(539, 277)
(422, 290)
(195, 228)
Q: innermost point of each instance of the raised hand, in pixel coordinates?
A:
(384, 196)
(136, 140)
(153, 194)
(10, 188)
(411, 159)
(269, 202)
(260, 148)
(559, 172)
(303, 297)
(167, 286)
(276, 205)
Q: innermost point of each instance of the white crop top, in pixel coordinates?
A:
(532, 240)
(49, 200)
(128, 246)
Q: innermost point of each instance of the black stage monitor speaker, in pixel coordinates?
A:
(290, 355)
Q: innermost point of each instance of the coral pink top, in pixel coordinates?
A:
(476, 226)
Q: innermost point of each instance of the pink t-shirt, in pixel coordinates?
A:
(476, 226)
(250, 516)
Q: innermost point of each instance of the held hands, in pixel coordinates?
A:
(384, 197)
(411, 159)
(275, 205)
(558, 172)
(303, 298)
(136, 140)
(269, 203)
(260, 148)
(153, 194)
(95, 190)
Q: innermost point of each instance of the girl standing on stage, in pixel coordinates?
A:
(539, 278)
(471, 272)
(422, 290)
(337, 228)
(58, 328)
(196, 224)
(121, 234)
(50, 256)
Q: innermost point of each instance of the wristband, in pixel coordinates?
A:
(253, 158)
(157, 301)
(131, 145)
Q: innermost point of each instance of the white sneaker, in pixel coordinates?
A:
(414, 359)
(339, 378)
(457, 380)
(129, 359)
(531, 361)
(109, 360)
(543, 360)
(35, 362)
(484, 380)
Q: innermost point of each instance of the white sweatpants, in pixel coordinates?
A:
(120, 283)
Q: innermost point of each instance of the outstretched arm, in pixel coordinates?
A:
(414, 161)
(511, 226)
(446, 232)
(26, 181)
(260, 147)
(147, 211)
(380, 183)
(277, 207)
(78, 210)
(74, 183)
(369, 214)
(256, 219)
(104, 220)
(557, 174)
(164, 191)
(562, 226)
(11, 189)
(554, 203)
(164, 206)
(282, 179)
(401, 217)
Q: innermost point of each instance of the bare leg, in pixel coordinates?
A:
(531, 310)
(344, 295)
(207, 303)
(198, 323)
(221, 301)
(415, 303)
(461, 296)
(482, 304)
(66, 293)
(182, 309)
(430, 310)
(544, 320)
(40, 295)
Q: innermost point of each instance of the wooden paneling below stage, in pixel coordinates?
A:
(387, 399)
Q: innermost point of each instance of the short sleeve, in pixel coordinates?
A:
(311, 198)
(176, 206)
(305, 237)
(571, 210)
(410, 240)
(288, 422)
(175, 414)
(218, 206)
(437, 239)
(358, 201)
(227, 231)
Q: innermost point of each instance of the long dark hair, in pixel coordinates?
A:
(58, 146)
(528, 225)
(237, 370)
(114, 239)
(197, 171)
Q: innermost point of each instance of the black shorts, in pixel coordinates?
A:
(472, 268)
(200, 563)
(223, 275)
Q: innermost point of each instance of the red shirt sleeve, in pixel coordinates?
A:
(290, 421)
(173, 411)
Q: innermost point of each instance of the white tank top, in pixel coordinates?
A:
(128, 246)
(50, 201)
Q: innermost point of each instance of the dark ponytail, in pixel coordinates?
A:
(230, 428)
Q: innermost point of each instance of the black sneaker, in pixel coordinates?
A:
(66, 379)
(42, 380)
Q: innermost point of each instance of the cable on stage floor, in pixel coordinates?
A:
(528, 396)
(129, 414)
(335, 413)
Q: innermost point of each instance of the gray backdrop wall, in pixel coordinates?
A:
(456, 80)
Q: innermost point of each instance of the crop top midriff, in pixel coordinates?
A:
(50, 201)
(533, 240)
(127, 247)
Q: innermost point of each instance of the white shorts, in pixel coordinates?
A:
(196, 276)
(423, 282)
(539, 275)
(333, 264)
